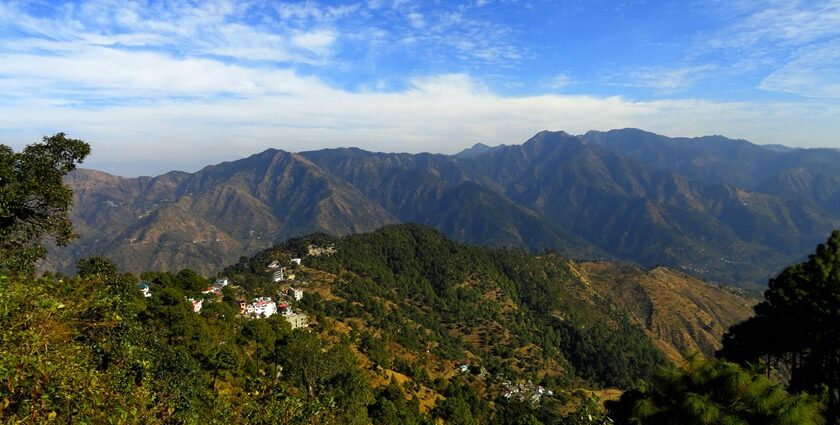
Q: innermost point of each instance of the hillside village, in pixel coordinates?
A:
(261, 306)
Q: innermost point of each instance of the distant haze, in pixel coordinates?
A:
(158, 85)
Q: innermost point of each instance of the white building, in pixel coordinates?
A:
(223, 281)
(297, 294)
(196, 304)
(262, 306)
(296, 261)
(145, 290)
(215, 289)
(279, 275)
(274, 264)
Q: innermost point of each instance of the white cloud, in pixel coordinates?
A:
(559, 81)
(815, 72)
(662, 79)
(315, 41)
(441, 113)
(116, 74)
(416, 20)
(205, 28)
(795, 41)
(779, 23)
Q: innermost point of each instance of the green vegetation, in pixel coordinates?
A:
(714, 392)
(409, 327)
(523, 316)
(796, 329)
(34, 202)
(90, 349)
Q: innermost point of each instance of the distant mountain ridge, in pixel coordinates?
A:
(476, 150)
(717, 208)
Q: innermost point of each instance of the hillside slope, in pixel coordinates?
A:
(681, 314)
(419, 301)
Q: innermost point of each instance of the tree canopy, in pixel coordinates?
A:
(796, 329)
(34, 201)
(714, 392)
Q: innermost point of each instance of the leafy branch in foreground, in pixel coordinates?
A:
(34, 201)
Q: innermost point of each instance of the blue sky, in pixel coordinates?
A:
(156, 85)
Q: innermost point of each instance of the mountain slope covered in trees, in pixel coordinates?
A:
(439, 302)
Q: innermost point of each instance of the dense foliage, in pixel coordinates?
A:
(92, 350)
(522, 315)
(34, 202)
(796, 329)
(714, 392)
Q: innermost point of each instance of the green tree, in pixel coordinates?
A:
(714, 392)
(96, 267)
(34, 201)
(796, 329)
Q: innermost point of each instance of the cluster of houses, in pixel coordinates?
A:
(524, 391)
(260, 306)
(266, 307)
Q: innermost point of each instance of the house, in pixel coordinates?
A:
(296, 261)
(297, 294)
(297, 320)
(144, 289)
(262, 306)
(196, 304)
(284, 309)
(273, 265)
(223, 281)
(216, 289)
(278, 275)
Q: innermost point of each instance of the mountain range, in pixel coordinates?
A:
(720, 209)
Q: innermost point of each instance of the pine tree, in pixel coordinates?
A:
(714, 392)
(796, 329)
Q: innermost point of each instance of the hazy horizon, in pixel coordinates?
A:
(175, 84)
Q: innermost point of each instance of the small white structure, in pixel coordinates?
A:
(297, 294)
(144, 289)
(223, 281)
(196, 304)
(215, 289)
(279, 275)
(262, 306)
(296, 261)
(273, 265)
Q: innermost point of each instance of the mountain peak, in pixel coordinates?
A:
(476, 150)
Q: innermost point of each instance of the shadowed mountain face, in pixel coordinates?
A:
(203, 220)
(717, 208)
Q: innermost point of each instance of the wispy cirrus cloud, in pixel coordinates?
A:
(796, 43)
(214, 27)
(663, 79)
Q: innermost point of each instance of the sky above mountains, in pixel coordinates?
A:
(159, 85)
